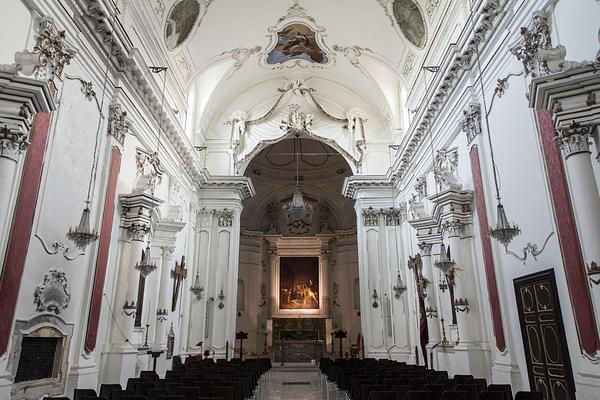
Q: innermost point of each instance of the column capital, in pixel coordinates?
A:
(167, 252)
(118, 124)
(425, 248)
(371, 216)
(453, 227)
(574, 138)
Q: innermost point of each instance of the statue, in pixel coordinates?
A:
(238, 129)
(356, 128)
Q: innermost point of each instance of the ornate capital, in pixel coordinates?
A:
(371, 216)
(49, 56)
(454, 228)
(471, 123)
(14, 135)
(574, 139)
(425, 248)
(225, 217)
(394, 216)
(118, 126)
(167, 252)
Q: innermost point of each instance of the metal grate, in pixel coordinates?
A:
(37, 358)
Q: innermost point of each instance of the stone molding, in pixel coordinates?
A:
(136, 215)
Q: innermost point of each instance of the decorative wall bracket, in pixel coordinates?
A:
(59, 247)
(462, 305)
(530, 248)
(87, 88)
(594, 270)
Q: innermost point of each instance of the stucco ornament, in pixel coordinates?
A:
(445, 169)
(53, 294)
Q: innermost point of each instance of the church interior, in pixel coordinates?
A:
(276, 199)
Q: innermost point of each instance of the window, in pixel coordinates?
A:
(38, 358)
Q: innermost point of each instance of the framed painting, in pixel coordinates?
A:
(299, 283)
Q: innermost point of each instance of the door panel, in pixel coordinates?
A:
(544, 340)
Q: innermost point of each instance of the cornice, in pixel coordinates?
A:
(353, 184)
(130, 63)
(458, 60)
(241, 184)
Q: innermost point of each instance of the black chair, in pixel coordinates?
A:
(455, 395)
(492, 396)
(529, 396)
(418, 395)
(436, 390)
(118, 394)
(81, 393)
(223, 392)
(134, 398)
(56, 398)
(149, 376)
(141, 388)
(480, 382)
(107, 388)
(472, 389)
(93, 398)
(190, 393)
(382, 395)
(169, 397)
(501, 388)
(131, 383)
(366, 389)
(401, 391)
(462, 378)
(154, 394)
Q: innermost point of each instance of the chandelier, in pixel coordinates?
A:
(298, 210)
(82, 234)
(197, 290)
(145, 266)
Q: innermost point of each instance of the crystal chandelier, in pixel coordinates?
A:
(82, 234)
(298, 210)
(145, 266)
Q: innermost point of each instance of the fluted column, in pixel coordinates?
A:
(325, 260)
(575, 143)
(431, 311)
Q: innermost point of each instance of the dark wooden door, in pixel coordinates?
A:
(544, 340)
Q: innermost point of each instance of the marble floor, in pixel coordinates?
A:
(296, 383)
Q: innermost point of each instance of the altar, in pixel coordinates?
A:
(298, 350)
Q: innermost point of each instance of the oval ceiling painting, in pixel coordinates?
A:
(180, 21)
(297, 42)
(411, 21)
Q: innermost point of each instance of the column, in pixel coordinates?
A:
(164, 298)
(575, 143)
(325, 298)
(431, 311)
(462, 280)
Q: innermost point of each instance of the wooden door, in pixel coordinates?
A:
(544, 340)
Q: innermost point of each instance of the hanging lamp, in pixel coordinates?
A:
(503, 231)
(298, 210)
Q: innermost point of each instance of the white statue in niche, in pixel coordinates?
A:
(238, 129)
(446, 169)
(356, 128)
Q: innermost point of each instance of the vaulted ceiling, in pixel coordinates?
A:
(371, 49)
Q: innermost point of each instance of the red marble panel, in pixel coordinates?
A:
(567, 236)
(103, 250)
(20, 231)
(486, 245)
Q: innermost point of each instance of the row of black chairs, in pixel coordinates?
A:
(197, 380)
(371, 379)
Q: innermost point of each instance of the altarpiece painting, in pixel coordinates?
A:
(299, 283)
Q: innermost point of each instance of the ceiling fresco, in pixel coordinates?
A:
(296, 42)
(180, 22)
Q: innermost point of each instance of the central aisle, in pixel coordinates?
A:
(296, 383)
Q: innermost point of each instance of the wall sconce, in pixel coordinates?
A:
(221, 297)
(431, 312)
(462, 305)
(593, 270)
(161, 315)
(129, 309)
(375, 296)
